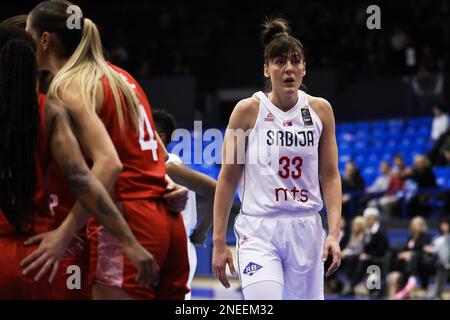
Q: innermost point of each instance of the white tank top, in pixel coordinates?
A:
(190, 211)
(281, 171)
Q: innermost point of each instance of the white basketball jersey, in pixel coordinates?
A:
(281, 171)
(190, 211)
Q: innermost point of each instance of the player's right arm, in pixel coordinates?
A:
(243, 117)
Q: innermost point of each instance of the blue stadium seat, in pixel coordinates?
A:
(387, 156)
(405, 145)
(421, 121)
(345, 127)
(343, 159)
(411, 132)
(391, 145)
(395, 123)
(360, 146)
(380, 124)
(378, 146)
(369, 174)
(443, 172)
(408, 157)
(379, 133)
(361, 134)
(362, 126)
(345, 137)
(394, 133)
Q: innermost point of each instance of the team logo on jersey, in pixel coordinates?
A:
(306, 115)
(252, 268)
(269, 117)
(243, 239)
(287, 123)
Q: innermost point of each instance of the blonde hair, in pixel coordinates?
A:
(85, 67)
(420, 220)
(359, 220)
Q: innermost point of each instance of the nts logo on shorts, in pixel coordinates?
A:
(252, 268)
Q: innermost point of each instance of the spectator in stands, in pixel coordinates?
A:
(411, 262)
(353, 249)
(440, 250)
(423, 176)
(376, 246)
(352, 181)
(390, 202)
(381, 183)
(440, 123)
(439, 154)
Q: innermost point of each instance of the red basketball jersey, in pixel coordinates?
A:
(144, 170)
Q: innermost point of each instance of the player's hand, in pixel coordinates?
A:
(176, 197)
(221, 257)
(198, 237)
(53, 245)
(331, 245)
(144, 261)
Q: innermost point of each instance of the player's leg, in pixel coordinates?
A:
(102, 292)
(174, 273)
(192, 256)
(302, 259)
(264, 290)
(258, 261)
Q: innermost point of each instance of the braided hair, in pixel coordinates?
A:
(19, 126)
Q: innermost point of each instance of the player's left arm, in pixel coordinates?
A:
(201, 184)
(330, 180)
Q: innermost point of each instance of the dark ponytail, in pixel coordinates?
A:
(274, 28)
(277, 39)
(19, 127)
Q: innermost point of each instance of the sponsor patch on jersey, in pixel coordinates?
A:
(306, 115)
(269, 117)
(252, 268)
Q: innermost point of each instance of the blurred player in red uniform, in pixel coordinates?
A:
(99, 95)
(33, 134)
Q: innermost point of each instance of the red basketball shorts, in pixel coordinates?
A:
(160, 233)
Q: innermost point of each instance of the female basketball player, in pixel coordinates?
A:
(32, 135)
(92, 89)
(280, 250)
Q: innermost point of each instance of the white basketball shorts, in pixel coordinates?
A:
(285, 249)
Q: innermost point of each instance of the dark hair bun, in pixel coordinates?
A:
(272, 28)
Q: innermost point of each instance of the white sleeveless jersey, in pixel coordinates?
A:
(281, 171)
(190, 211)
